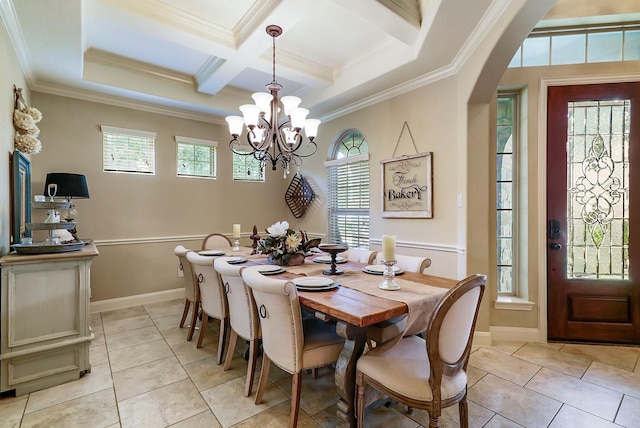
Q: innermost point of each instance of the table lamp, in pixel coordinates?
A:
(69, 186)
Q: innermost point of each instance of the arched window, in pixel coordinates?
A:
(348, 200)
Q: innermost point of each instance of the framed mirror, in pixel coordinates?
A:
(21, 196)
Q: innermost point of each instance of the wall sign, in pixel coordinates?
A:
(407, 186)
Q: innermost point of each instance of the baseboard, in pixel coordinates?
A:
(516, 334)
(481, 338)
(139, 299)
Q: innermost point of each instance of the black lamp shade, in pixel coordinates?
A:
(69, 185)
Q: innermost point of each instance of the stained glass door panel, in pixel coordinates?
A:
(592, 175)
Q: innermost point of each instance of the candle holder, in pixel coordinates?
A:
(236, 244)
(389, 274)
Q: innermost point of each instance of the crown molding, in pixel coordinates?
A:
(86, 95)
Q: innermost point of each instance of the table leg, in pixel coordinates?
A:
(355, 338)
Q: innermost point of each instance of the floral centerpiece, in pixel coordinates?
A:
(284, 246)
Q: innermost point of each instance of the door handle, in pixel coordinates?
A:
(553, 229)
(555, 247)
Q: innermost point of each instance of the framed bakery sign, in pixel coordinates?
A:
(407, 186)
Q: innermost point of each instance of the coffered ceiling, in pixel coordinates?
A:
(202, 58)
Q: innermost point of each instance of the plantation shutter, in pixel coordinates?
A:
(128, 150)
(349, 201)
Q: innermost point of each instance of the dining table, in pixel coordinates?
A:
(356, 303)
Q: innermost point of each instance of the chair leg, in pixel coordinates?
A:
(360, 405)
(433, 422)
(464, 412)
(203, 329)
(264, 375)
(233, 339)
(251, 366)
(194, 320)
(224, 327)
(296, 388)
(185, 312)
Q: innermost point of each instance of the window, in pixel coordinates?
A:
(246, 168)
(505, 192)
(349, 191)
(128, 150)
(195, 157)
(557, 46)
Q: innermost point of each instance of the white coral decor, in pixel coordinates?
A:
(27, 132)
(28, 144)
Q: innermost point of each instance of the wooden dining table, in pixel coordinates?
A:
(357, 304)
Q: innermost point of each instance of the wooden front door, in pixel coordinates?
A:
(593, 213)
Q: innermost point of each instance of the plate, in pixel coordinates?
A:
(312, 281)
(236, 260)
(211, 253)
(379, 269)
(331, 286)
(270, 269)
(327, 259)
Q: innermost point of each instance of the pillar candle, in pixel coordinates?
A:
(388, 247)
(236, 230)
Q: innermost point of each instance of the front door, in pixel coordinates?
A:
(593, 213)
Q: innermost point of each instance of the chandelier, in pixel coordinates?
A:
(272, 140)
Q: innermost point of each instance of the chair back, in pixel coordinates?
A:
(280, 319)
(215, 241)
(243, 314)
(409, 263)
(190, 284)
(212, 296)
(450, 330)
(361, 255)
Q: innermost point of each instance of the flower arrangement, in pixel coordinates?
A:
(283, 244)
(24, 121)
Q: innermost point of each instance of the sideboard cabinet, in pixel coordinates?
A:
(45, 330)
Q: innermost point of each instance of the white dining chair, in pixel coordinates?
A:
(216, 241)
(212, 298)
(360, 255)
(429, 373)
(191, 290)
(408, 263)
(243, 316)
(293, 345)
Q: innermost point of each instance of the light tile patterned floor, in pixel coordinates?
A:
(145, 373)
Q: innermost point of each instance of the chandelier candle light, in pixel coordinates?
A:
(236, 238)
(271, 139)
(388, 260)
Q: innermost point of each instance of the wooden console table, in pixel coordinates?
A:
(45, 330)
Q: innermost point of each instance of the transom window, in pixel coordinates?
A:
(196, 157)
(349, 191)
(246, 168)
(128, 150)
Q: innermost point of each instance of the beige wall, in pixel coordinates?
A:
(137, 220)
(11, 75)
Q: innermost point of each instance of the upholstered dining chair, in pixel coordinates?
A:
(215, 241)
(387, 330)
(243, 316)
(409, 263)
(191, 290)
(429, 373)
(361, 255)
(293, 345)
(212, 298)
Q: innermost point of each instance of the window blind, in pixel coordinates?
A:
(128, 150)
(349, 204)
(246, 168)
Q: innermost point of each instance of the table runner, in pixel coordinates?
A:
(420, 299)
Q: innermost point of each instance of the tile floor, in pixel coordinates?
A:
(145, 374)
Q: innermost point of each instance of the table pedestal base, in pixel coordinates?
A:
(355, 338)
